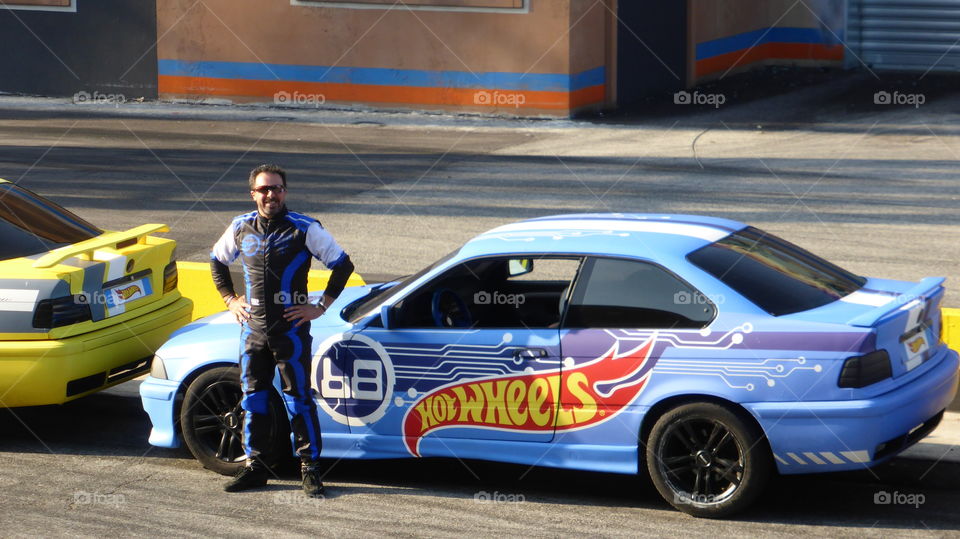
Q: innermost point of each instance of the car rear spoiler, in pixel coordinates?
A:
(923, 290)
(107, 239)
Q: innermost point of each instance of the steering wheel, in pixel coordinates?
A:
(449, 310)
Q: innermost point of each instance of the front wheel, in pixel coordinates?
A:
(706, 460)
(212, 422)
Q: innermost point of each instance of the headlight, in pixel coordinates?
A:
(157, 369)
(861, 371)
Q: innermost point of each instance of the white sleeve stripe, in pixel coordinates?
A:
(321, 244)
(225, 250)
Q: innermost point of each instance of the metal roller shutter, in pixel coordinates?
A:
(918, 35)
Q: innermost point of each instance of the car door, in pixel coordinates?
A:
(475, 352)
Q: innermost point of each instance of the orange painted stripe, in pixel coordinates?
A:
(767, 51)
(403, 95)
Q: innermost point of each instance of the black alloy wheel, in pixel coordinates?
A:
(211, 420)
(706, 460)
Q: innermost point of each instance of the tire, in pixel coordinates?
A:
(211, 421)
(707, 460)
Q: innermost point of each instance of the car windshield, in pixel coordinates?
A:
(30, 224)
(371, 302)
(774, 274)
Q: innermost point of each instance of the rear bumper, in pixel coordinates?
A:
(814, 437)
(41, 372)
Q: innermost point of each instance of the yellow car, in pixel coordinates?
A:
(81, 309)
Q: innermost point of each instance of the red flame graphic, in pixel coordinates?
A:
(542, 401)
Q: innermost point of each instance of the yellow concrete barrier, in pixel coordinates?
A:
(951, 328)
(196, 283)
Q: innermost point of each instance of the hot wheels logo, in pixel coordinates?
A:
(129, 292)
(542, 401)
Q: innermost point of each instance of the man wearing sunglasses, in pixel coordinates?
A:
(275, 247)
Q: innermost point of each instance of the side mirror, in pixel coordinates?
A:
(520, 266)
(386, 316)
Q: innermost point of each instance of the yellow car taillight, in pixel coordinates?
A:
(58, 312)
(170, 277)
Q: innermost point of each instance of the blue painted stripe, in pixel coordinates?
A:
(302, 402)
(338, 261)
(287, 279)
(724, 45)
(547, 82)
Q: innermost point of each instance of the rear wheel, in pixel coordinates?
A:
(212, 422)
(706, 460)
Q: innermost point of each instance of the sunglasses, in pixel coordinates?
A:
(264, 189)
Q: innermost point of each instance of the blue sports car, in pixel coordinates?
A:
(701, 351)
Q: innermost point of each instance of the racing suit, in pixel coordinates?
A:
(275, 255)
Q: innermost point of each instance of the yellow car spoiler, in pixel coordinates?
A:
(107, 239)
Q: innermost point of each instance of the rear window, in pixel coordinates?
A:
(776, 275)
(30, 224)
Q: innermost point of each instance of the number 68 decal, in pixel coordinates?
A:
(365, 384)
(353, 377)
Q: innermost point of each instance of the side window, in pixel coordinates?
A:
(614, 293)
(499, 292)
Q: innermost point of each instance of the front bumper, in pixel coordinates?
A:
(159, 398)
(41, 372)
(813, 437)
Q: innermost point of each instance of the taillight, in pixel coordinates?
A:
(861, 371)
(170, 277)
(57, 312)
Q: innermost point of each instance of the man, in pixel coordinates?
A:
(275, 245)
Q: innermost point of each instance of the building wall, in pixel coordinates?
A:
(727, 36)
(548, 57)
(68, 47)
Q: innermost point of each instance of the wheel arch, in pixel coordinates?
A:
(657, 410)
(185, 383)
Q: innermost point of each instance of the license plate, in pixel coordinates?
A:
(127, 292)
(915, 348)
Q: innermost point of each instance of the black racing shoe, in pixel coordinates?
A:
(312, 485)
(247, 478)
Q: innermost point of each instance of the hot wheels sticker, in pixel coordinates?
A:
(573, 399)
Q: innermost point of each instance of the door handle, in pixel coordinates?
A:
(529, 353)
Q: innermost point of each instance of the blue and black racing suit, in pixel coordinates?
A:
(275, 254)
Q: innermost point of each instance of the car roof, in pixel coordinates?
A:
(619, 234)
